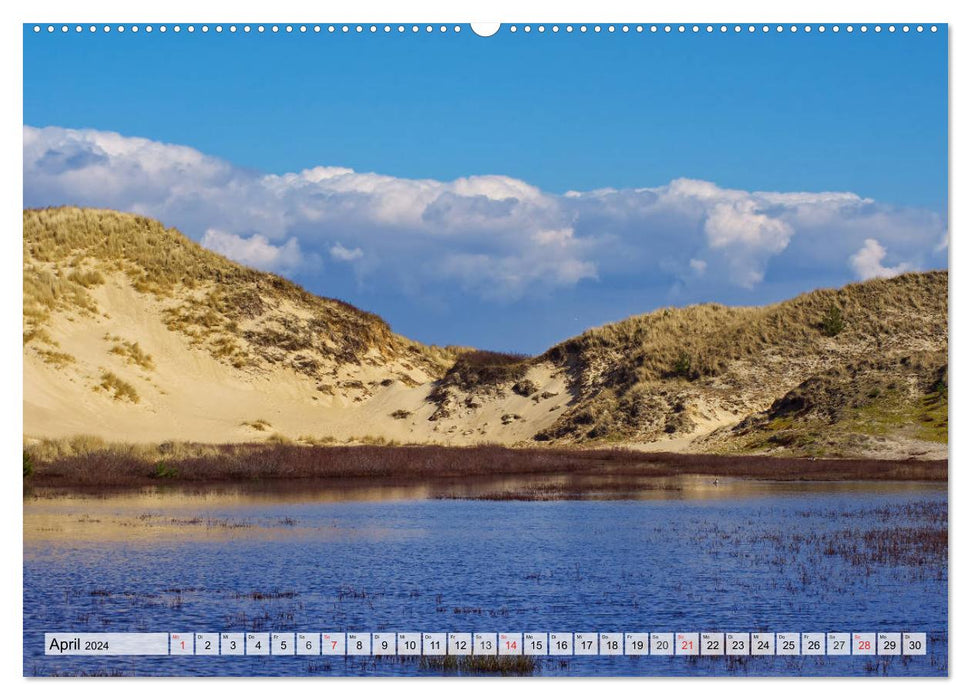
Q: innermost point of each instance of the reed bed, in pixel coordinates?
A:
(91, 463)
(480, 665)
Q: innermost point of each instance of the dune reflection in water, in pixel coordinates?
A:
(259, 511)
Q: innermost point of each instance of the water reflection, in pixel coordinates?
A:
(231, 512)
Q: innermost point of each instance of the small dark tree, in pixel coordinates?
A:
(682, 366)
(833, 322)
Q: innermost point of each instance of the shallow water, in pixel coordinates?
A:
(662, 555)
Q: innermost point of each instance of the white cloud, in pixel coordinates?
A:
(747, 237)
(342, 254)
(255, 251)
(494, 236)
(867, 262)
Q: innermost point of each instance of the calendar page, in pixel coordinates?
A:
(517, 349)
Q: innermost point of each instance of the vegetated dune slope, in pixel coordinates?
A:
(134, 333)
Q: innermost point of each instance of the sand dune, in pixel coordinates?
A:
(133, 333)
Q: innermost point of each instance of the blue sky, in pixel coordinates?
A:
(636, 114)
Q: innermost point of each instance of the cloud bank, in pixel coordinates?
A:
(491, 236)
(868, 261)
(255, 251)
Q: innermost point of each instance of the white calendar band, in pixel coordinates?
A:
(486, 644)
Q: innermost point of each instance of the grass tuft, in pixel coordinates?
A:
(259, 424)
(118, 388)
(133, 354)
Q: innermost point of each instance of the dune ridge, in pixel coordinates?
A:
(134, 333)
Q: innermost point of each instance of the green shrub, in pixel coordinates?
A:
(833, 322)
(164, 471)
(682, 365)
(28, 465)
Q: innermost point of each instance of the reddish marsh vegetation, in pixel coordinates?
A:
(116, 465)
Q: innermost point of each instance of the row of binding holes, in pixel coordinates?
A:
(414, 28)
(260, 28)
(722, 28)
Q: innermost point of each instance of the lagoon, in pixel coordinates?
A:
(550, 553)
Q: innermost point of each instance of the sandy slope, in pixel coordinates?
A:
(189, 395)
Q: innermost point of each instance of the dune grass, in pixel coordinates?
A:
(133, 354)
(55, 358)
(260, 424)
(69, 250)
(702, 340)
(117, 388)
(628, 374)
